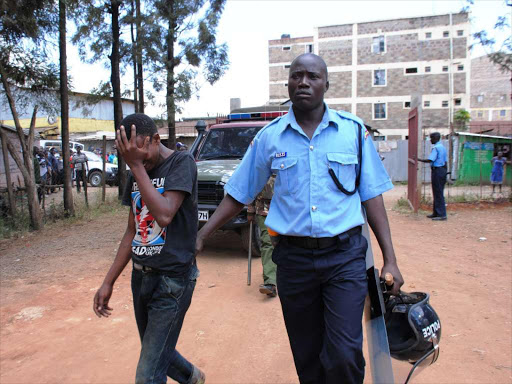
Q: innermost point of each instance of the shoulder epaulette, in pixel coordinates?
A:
(350, 116)
(273, 122)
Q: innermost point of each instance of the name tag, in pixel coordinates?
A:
(280, 154)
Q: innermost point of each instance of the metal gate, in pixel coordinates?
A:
(413, 190)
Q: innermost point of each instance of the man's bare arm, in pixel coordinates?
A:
(378, 220)
(123, 256)
(228, 208)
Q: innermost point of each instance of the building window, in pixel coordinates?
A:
(480, 98)
(446, 34)
(444, 104)
(503, 113)
(426, 103)
(457, 102)
(309, 48)
(285, 84)
(411, 70)
(427, 69)
(460, 32)
(460, 67)
(379, 111)
(445, 68)
(480, 114)
(286, 66)
(407, 104)
(428, 35)
(379, 44)
(379, 77)
(286, 48)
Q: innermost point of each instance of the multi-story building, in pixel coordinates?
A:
(491, 108)
(377, 68)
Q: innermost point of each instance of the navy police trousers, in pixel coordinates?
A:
(322, 293)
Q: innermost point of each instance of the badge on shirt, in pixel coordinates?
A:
(366, 133)
(280, 154)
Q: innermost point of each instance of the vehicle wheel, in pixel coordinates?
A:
(244, 234)
(95, 178)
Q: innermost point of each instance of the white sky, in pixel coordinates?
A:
(247, 25)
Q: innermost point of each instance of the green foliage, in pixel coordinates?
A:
(499, 55)
(402, 205)
(461, 118)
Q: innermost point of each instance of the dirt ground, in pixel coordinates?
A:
(49, 333)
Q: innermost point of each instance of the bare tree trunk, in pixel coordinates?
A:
(64, 110)
(140, 72)
(5, 152)
(25, 165)
(170, 101)
(134, 58)
(116, 87)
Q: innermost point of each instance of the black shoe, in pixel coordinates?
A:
(439, 218)
(268, 289)
(431, 216)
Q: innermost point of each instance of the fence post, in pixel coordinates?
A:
(104, 174)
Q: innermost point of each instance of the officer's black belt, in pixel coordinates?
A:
(442, 166)
(144, 268)
(320, 242)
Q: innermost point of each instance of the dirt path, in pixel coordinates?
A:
(49, 334)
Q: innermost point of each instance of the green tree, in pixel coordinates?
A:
(27, 78)
(499, 54)
(98, 38)
(185, 31)
(461, 119)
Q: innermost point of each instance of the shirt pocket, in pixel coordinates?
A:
(344, 167)
(287, 174)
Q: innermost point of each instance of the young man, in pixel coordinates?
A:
(320, 253)
(437, 159)
(160, 240)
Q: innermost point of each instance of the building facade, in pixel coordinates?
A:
(85, 117)
(376, 68)
(491, 98)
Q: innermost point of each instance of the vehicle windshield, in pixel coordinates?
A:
(91, 156)
(227, 143)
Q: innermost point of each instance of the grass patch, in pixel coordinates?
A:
(402, 205)
(55, 213)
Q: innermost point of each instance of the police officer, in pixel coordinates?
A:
(437, 160)
(320, 254)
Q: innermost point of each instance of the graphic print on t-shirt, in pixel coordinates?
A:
(149, 237)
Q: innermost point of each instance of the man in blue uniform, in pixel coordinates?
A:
(320, 254)
(437, 160)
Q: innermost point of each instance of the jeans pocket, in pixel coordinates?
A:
(174, 287)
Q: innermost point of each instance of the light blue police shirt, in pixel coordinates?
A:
(306, 200)
(438, 155)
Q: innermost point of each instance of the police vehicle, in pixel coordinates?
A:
(218, 151)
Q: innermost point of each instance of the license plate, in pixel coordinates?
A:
(203, 215)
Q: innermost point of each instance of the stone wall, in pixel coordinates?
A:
(411, 23)
(341, 107)
(277, 55)
(435, 118)
(399, 84)
(335, 31)
(278, 91)
(278, 73)
(408, 47)
(340, 85)
(336, 52)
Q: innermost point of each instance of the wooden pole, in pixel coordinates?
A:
(10, 193)
(104, 174)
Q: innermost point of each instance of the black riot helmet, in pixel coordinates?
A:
(413, 328)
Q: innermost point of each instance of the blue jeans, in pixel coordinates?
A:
(322, 294)
(160, 304)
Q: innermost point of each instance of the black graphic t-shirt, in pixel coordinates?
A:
(170, 249)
